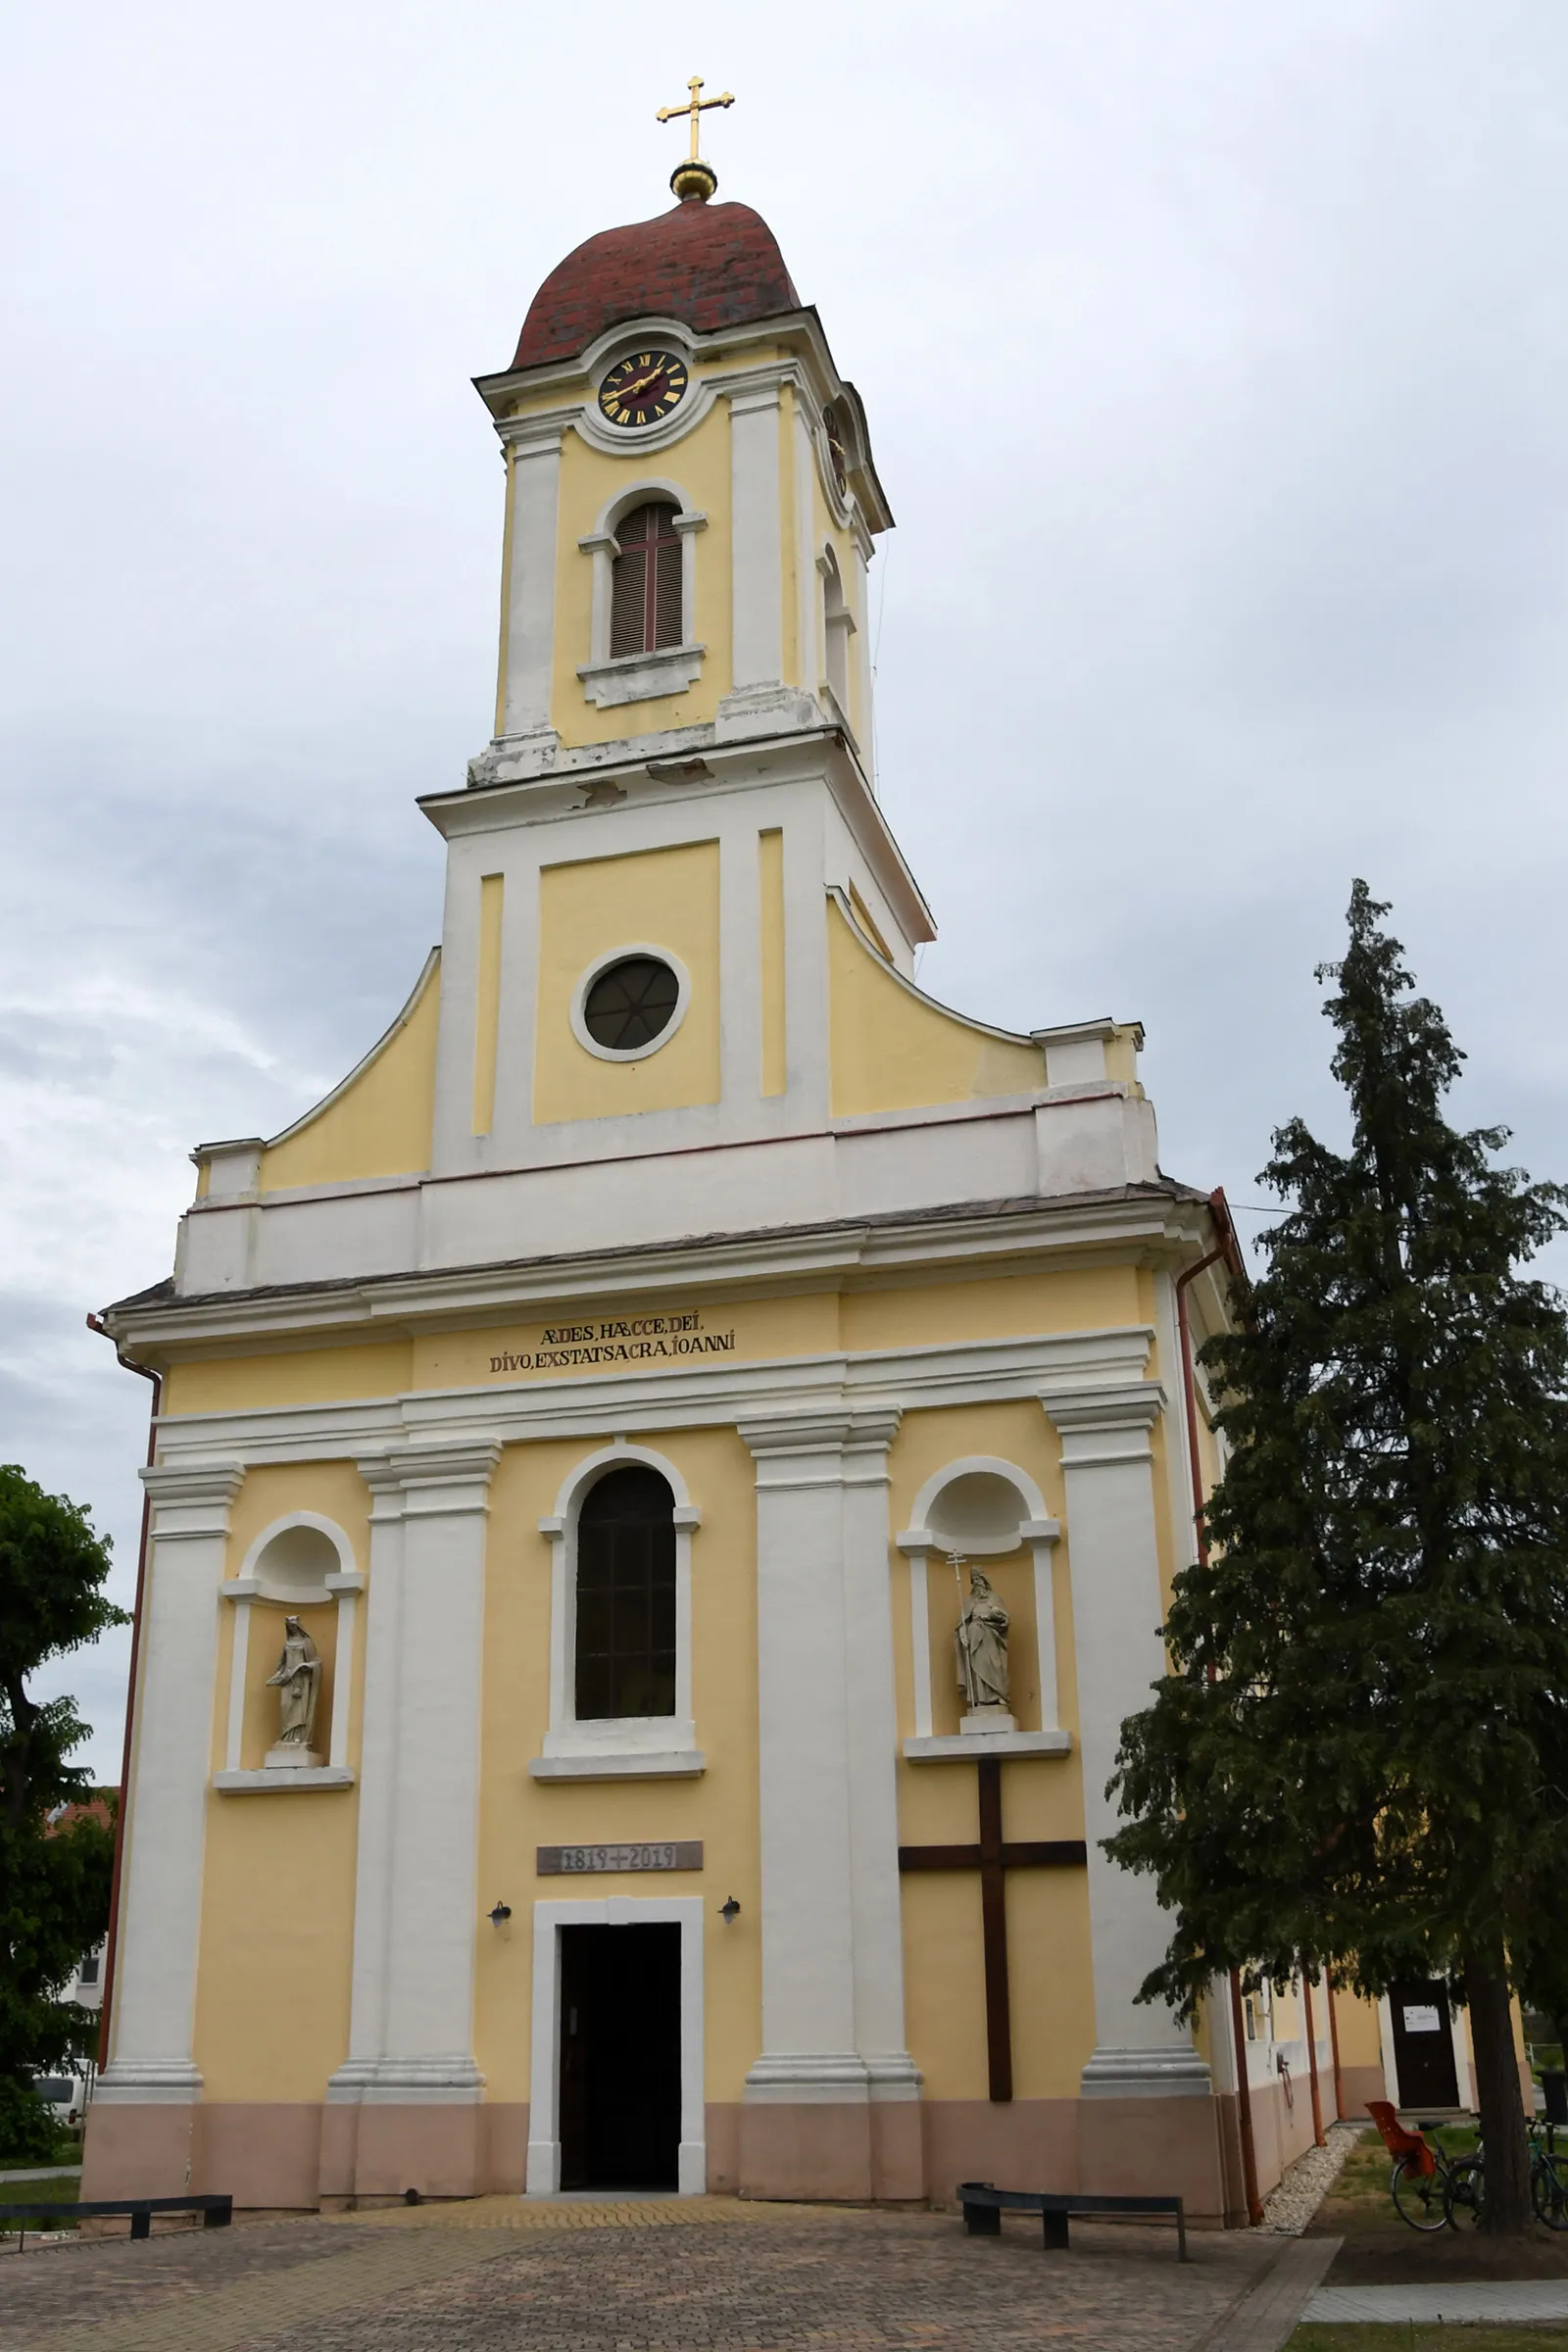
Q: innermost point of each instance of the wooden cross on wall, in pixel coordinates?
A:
(992, 1858)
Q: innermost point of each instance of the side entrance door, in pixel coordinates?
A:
(1423, 2046)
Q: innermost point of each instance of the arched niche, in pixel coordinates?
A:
(301, 1564)
(981, 1507)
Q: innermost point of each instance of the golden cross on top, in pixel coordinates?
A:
(694, 107)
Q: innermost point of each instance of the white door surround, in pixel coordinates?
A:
(684, 1911)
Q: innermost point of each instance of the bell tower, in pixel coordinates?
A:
(669, 382)
(645, 859)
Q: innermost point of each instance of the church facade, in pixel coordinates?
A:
(666, 1480)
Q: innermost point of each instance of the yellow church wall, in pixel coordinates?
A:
(379, 1123)
(1042, 1797)
(218, 1384)
(1356, 2023)
(518, 1814)
(893, 1048)
(278, 1885)
(920, 1313)
(628, 1335)
(932, 1314)
(590, 478)
(657, 898)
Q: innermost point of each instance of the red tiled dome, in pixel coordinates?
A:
(709, 265)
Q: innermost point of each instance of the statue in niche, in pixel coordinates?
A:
(298, 1680)
(982, 1646)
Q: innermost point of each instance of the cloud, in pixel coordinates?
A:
(1212, 359)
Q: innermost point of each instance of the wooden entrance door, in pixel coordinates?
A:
(1423, 2046)
(619, 2057)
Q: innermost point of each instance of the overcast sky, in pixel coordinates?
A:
(1214, 355)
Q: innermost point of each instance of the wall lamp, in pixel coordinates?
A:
(729, 1910)
(500, 1915)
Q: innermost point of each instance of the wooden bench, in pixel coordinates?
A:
(217, 2212)
(984, 2207)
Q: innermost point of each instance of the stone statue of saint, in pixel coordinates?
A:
(982, 1644)
(299, 1680)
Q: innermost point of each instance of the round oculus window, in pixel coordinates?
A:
(630, 1003)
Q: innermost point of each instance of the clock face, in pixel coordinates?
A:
(643, 387)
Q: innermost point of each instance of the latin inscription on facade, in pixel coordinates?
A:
(572, 1861)
(615, 1340)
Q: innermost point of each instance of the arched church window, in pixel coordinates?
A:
(645, 610)
(626, 1662)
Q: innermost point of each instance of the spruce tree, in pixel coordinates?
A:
(55, 1866)
(1359, 1756)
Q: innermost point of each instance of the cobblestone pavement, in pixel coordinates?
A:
(702, 2276)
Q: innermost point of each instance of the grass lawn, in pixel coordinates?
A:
(1359, 2197)
(40, 2193)
(1408, 2337)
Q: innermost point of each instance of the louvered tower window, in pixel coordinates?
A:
(645, 610)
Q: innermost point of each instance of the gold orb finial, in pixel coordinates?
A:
(693, 180)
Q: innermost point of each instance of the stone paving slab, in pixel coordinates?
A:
(1268, 2314)
(680, 2277)
(1467, 2300)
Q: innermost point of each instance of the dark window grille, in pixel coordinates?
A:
(626, 1598)
(89, 1970)
(645, 606)
(631, 1004)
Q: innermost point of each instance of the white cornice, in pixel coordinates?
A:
(852, 1257)
(849, 1400)
(555, 796)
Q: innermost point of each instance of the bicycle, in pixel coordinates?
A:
(1431, 2189)
(1548, 2176)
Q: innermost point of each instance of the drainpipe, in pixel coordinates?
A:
(1334, 2041)
(1227, 1248)
(1311, 2058)
(96, 1323)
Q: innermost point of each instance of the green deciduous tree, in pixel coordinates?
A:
(1359, 1754)
(53, 1873)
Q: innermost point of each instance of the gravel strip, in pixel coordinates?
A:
(1288, 2208)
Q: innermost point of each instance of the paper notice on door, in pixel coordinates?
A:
(1423, 2021)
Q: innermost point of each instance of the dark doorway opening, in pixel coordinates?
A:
(1423, 2046)
(619, 2057)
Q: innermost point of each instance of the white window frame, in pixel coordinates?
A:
(618, 1746)
(1040, 1535)
(684, 1911)
(601, 963)
(639, 677)
(252, 1585)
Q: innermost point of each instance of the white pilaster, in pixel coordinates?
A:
(534, 454)
(758, 702)
(160, 1929)
(832, 1953)
(411, 2032)
(1107, 1463)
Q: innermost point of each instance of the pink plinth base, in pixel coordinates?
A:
(138, 2151)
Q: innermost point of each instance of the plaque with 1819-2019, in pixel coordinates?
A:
(575, 1861)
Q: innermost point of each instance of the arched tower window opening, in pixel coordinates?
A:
(838, 624)
(645, 613)
(625, 1663)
